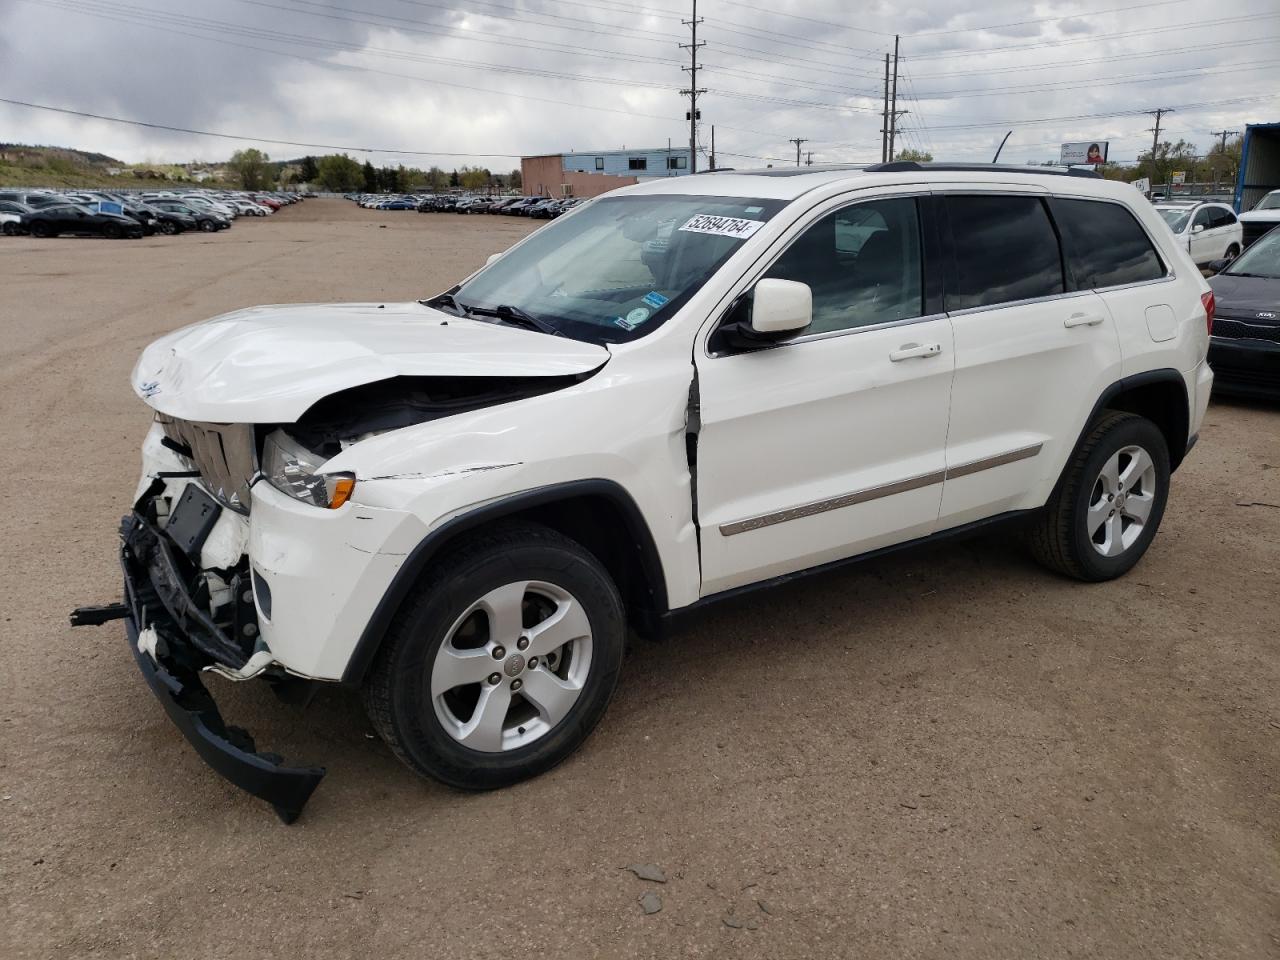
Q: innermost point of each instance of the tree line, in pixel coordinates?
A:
(340, 173)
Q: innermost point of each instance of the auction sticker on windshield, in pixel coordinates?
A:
(722, 226)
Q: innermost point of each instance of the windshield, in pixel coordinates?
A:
(1270, 202)
(1262, 259)
(619, 267)
(1176, 219)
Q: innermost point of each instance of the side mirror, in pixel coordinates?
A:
(1198, 228)
(492, 257)
(781, 307)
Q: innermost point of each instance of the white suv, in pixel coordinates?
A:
(677, 392)
(1208, 230)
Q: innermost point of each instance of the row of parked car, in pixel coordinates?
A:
(114, 215)
(539, 208)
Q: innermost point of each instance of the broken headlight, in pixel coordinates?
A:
(293, 469)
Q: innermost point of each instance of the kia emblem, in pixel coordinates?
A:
(1265, 315)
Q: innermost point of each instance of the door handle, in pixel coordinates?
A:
(1083, 320)
(911, 351)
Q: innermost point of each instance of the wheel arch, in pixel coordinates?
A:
(1160, 396)
(599, 514)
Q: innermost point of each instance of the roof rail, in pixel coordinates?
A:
(908, 166)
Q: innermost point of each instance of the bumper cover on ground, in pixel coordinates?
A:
(174, 678)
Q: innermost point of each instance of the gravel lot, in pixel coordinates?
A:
(948, 753)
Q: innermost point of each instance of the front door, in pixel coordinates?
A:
(833, 443)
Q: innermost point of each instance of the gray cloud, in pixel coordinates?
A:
(529, 76)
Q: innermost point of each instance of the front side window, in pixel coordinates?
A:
(619, 267)
(677, 163)
(1202, 218)
(862, 263)
(637, 163)
(1005, 250)
(1106, 246)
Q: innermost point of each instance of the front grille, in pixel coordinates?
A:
(1253, 231)
(223, 453)
(1243, 330)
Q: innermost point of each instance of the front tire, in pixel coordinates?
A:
(1233, 251)
(208, 226)
(1108, 505)
(502, 662)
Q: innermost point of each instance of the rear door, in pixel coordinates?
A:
(1032, 354)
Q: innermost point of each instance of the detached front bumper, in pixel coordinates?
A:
(170, 649)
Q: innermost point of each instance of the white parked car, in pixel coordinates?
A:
(198, 201)
(460, 505)
(249, 208)
(1209, 230)
(1262, 218)
(10, 223)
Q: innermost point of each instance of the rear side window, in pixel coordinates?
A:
(1005, 249)
(1106, 246)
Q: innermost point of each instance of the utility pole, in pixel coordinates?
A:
(884, 121)
(692, 93)
(893, 100)
(797, 141)
(713, 146)
(1155, 140)
(808, 159)
(1223, 134)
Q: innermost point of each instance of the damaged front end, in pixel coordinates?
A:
(245, 556)
(175, 630)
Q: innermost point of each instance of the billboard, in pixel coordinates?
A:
(1085, 152)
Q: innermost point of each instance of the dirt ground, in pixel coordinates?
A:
(949, 753)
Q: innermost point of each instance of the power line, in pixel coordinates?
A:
(1065, 16)
(1059, 64)
(233, 136)
(1094, 38)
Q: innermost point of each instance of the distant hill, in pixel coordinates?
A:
(76, 156)
(27, 165)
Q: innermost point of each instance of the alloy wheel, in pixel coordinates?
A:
(1121, 501)
(512, 666)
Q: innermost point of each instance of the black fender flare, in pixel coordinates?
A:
(366, 648)
(1125, 384)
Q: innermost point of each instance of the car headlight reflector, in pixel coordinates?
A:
(293, 469)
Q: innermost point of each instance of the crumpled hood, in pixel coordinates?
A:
(269, 364)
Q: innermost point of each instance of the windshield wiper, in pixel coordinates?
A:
(446, 300)
(516, 317)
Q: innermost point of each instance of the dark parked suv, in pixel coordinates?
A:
(81, 221)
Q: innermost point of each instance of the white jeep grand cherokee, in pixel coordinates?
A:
(681, 390)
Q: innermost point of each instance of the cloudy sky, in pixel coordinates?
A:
(484, 81)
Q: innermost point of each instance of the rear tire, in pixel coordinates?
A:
(501, 662)
(208, 226)
(1109, 503)
(1233, 251)
(41, 230)
(9, 229)
(168, 228)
